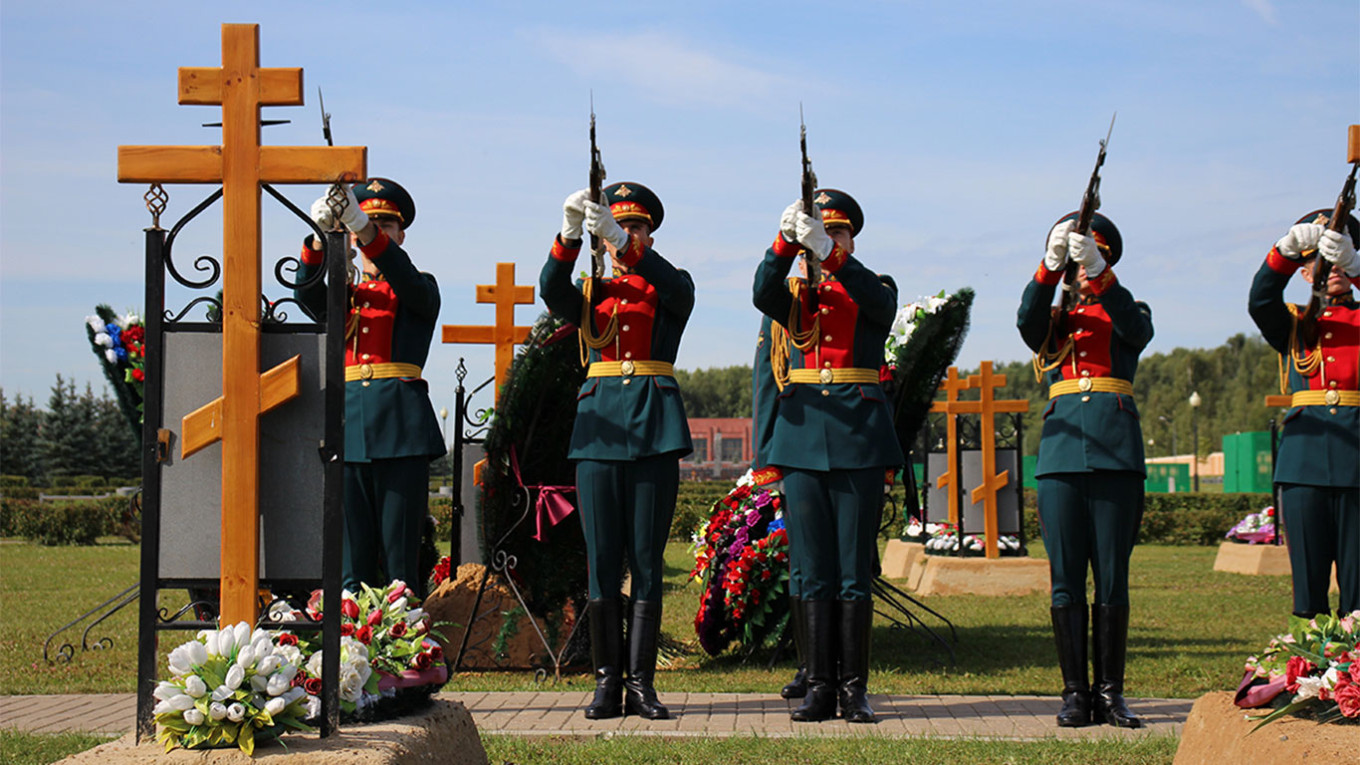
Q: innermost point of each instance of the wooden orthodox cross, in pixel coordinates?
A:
(505, 294)
(240, 164)
(951, 386)
(987, 406)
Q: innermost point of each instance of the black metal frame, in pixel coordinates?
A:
(969, 437)
(151, 618)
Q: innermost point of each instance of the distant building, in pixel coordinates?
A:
(722, 449)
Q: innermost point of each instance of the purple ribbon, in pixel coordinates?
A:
(552, 505)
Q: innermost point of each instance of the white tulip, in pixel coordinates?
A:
(278, 683)
(194, 686)
(415, 615)
(269, 665)
(242, 633)
(235, 676)
(236, 712)
(96, 323)
(111, 356)
(222, 693)
(245, 658)
(193, 716)
(398, 605)
(314, 665)
(263, 645)
(223, 642)
(294, 693)
(217, 710)
(162, 708)
(102, 338)
(275, 706)
(165, 691)
(180, 702)
(259, 683)
(311, 707)
(290, 654)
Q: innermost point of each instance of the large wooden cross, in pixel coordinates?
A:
(987, 406)
(240, 164)
(951, 386)
(504, 334)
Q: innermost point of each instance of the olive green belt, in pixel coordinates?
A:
(629, 368)
(1090, 384)
(380, 371)
(1326, 398)
(827, 375)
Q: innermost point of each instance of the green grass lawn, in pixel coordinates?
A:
(18, 748)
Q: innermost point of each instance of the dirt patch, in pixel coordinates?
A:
(1216, 732)
(502, 637)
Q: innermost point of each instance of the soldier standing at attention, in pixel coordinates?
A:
(1090, 469)
(391, 434)
(833, 437)
(631, 429)
(1318, 464)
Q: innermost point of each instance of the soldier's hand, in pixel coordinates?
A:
(788, 222)
(1301, 237)
(812, 234)
(321, 215)
(1339, 250)
(600, 222)
(1055, 257)
(1084, 251)
(574, 215)
(353, 216)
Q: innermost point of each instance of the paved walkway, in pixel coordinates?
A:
(694, 714)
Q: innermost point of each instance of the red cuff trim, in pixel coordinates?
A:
(784, 248)
(630, 255)
(835, 260)
(1103, 282)
(1280, 264)
(312, 257)
(562, 252)
(376, 247)
(767, 475)
(1047, 277)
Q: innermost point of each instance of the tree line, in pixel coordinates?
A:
(77, 434)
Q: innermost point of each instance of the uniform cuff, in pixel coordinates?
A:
(784, 248)
(630, 255)
(1104, 282)
(563, 252)
(1280, 264)
(835, 260)
(311, 257)
(376, 247)
(1046, 277)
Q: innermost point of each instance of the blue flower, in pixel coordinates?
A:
(776, 525)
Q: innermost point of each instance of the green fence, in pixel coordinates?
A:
(1246, 462)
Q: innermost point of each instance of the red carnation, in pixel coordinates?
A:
(134, 334)
(349, 608)
(312, 686)
(364, 634)
(1297, 667)
(1348, 700)
(397, 629)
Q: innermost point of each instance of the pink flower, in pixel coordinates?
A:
(1297, 667)
(375, 618)
(1348, 700)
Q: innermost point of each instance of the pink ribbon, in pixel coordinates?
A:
(1253, 692)
(552, 505)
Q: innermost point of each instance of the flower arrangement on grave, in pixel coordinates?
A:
(1256, 528)
(1313, 670)
(741, 556)
(943, 539)
(229, 687)
(120, 344)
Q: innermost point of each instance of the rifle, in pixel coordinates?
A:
(1322, 268)
(1090, 202)
(596, 191)
(814, 266)
(335, 196)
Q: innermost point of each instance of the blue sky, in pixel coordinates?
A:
(964, 130)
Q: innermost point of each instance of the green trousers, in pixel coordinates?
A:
(626, 509)
(386, 502)
(1090, 519)
(1322, 526)
(832, 518)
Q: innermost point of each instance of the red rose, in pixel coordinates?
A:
(347, 629)
(1355, 670)
(1348, 700)
(397, 630)
(364, 634)
(421, 661)
(375, 618)
(287, 638)
(139, 375)
(1297, 667)
(349, 608)
(312, 686)
(436, 652)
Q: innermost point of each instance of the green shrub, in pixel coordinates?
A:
(21, 492)
(91, 484)
(442, 510)
(1177, 519)
(13, 481)
(78, 522)
(63, 481)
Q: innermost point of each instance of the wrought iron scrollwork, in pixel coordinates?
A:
(293, 265)
(202, 262)
(66, 651)
(156, 199)
(214, 314)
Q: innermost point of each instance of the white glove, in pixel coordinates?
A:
(1337, 248)
(1301, 236)
(788, 222)
(574, 214)
(812, 234)
(1084, 252)
(321, 215)
(600, 222)
(1055, 258)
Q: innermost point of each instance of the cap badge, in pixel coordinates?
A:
(374, 187)
(624, 192)
(822, 198)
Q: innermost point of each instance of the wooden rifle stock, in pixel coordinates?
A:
(1322, 268)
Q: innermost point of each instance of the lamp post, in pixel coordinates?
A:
(1170, 423)
(444, 432)
(1194, 428)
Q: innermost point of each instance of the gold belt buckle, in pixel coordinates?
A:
(365, 371)
(1084, 385)
(626, 369)
(1332, 397)
(826, 376)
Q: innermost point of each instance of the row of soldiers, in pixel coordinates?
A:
(827, 429)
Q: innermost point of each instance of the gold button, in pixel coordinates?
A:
(826, 376)
(828, 310)
(365, 383)
(365, 358)
(826, 392)
(827, 288)
(365, 330)
(365, 305)
(1081, 310)
(826, 364)
(1084, 384)
(626, 368)
(1331, 359)
(1332, 397)
(366, 371)
(627, 381)
(625, 328)
(1082, 354)
(628, 354)
(1332, 410)
(1332, 383)
(1326, 313)
(1085, 373)
(624, 301)
(1085, 398)
(826, 339)
(1328, 335)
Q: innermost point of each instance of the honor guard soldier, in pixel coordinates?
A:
(1318, 465)
(1090, 469)
(391, 433)
(630, 431)
(833, 437)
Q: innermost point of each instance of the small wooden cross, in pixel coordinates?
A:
(986, 383)
(240, 164)
(951, 386)
(504, 334)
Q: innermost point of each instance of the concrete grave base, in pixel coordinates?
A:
(945, 575)
(1216, 732)
(898, 557)
(1257, 560)
(442, 733)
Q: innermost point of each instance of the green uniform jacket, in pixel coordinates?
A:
(1085, 432)
(389, 417)
(621, 418)
(837, 426)
(1321, 444)
(764, 398)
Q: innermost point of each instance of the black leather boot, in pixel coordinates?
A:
(1111, 631)
(639, 697)
(1069, 632)
(797, 687)
(606, 653)
(821, 634)
(857, 617)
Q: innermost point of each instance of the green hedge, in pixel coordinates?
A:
(1178, 519)
(78, 522)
